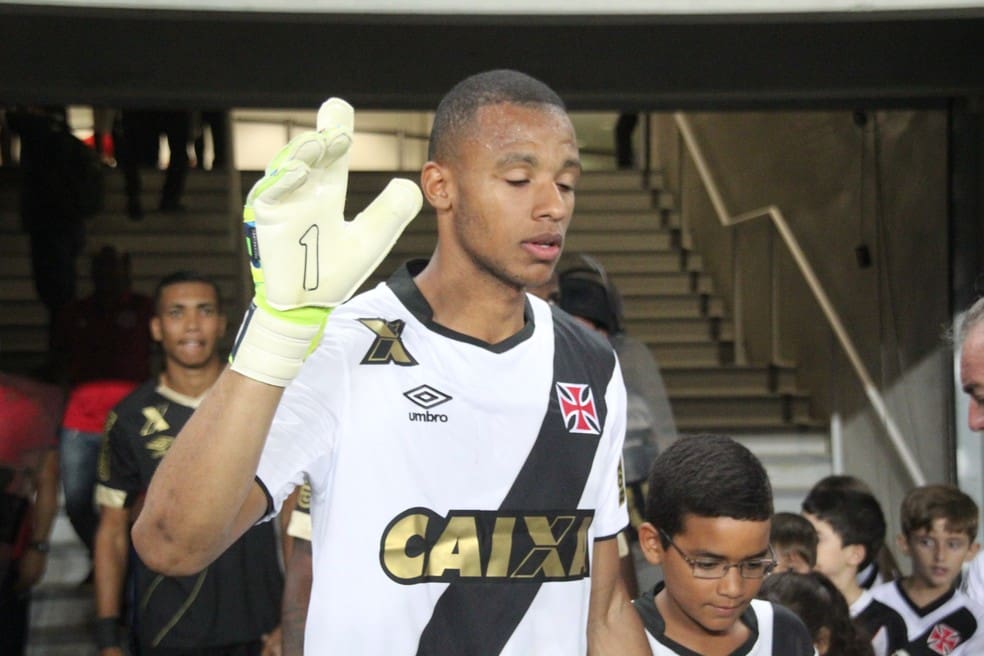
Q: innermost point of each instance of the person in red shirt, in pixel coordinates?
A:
(102, 350)
(29, 413)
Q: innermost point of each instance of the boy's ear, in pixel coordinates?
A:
(855, 554)
(649, 542)
(902, 544)
(975, 546)
(823, 640)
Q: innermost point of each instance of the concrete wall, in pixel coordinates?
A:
(839, 185)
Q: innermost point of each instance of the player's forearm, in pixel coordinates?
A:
(614, 627)
(199, 499)
(109, 567)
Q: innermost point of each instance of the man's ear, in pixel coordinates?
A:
(650, 543)
(155, 329)
(435, 182)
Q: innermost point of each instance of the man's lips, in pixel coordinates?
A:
(546, 245)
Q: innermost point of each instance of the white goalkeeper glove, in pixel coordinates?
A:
(312, 258)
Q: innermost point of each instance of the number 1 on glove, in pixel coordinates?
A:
(305, 258)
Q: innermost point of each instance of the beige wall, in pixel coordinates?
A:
(810, 165)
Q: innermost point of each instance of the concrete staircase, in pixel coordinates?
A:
(630, 225)
(206, 237)
(626, 222)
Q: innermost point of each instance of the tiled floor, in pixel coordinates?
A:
(61, 607)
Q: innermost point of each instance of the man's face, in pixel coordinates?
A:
(512, 191)
(707, 607)
(188, 324)
(972, 376)
(833, 558)
(937, 554)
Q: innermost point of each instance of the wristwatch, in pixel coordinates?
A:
(41, 546)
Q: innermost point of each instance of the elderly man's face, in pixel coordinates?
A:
(972, 376)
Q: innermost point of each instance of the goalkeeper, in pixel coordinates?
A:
(461, 438)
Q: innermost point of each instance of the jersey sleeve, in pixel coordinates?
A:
(118, 471)
(611, 514)
(303, 428)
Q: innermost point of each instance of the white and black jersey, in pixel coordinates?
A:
(457, 487)
(880, 622)
(950, 626)
(774, 630)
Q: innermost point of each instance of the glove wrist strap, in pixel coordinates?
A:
(270, 349)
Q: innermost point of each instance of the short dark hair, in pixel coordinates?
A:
(457, 109)
(841, 482)
(706, 476)
(853, 515)
(795, 532)
(923, 505)
(816, 600)
(179, 277)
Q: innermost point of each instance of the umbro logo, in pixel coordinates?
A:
(427, 398)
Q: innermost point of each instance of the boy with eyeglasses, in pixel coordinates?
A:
(708, 514)
(939, 528)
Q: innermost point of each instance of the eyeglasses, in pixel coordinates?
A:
(711, 568)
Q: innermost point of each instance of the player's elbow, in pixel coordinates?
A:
(161, 551)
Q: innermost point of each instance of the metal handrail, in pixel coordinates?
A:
(830, 312)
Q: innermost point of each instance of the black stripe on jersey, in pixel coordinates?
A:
(477, 618)
(877, 616)
(945, 635)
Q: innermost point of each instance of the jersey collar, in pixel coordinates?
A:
(401, 283)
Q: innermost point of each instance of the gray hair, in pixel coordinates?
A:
(973, 317)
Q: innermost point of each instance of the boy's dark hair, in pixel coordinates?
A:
(838, 482)
(817, 601)
(855, 516)
(179, 277)
(796, 533)
(923, 505)
(706, 476)
(457, 109)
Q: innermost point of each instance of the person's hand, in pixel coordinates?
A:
(30, 569)
(305, 257)
(272, 643)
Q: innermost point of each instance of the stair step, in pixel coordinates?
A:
(20, 291)
(691, 353)
(784, 408)
(711, 380)
(662, 283)
(678, 330)
(62, 606)
(62, 641)
(666, 307)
